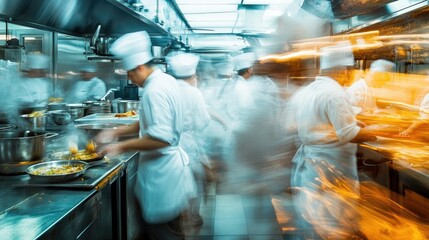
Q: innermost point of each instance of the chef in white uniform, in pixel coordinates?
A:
(164, 181)
(33, 89)
(89, 87)
(361, 92)
(196, 119)
(328, 131)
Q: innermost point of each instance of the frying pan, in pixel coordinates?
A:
(66, 156)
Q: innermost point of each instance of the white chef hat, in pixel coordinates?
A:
(37, 61)
(340, 54)
(88, 68)
(134, 48)
(183, 64)
(225, 67)
(382, 65)
(244, 61)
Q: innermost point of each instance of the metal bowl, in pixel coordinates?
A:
(40, 172)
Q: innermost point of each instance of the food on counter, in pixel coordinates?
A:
(82, 155)
(36, 114)
(58, 170)
(126, 114)
(55, 100)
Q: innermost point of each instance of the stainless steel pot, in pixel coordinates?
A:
(61, 117)
(29, 122)
(21, 146)
(127, 105)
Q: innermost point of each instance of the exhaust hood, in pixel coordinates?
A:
(78, 17)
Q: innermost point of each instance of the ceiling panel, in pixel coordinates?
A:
(267, 2)
(212, 17)
(205, 2)
(207, 8)
(215, 24)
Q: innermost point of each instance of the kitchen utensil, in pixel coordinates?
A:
(55, 171)
(36, 123)
(60, 117)
(65, 155)
(127, 105)
(21, 146)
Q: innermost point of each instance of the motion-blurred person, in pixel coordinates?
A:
(89, 87)
(164, 181)
(361, 92)
(34, 88)
(422, 120)
(196, 119)
(256, 133)
(328, 131)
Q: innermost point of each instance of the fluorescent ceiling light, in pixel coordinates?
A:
(266, 1)
(218, 30)
(214, 24)
(207, 8)
(204, 2)
(221, 17)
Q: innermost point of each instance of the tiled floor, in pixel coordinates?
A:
(236, 217)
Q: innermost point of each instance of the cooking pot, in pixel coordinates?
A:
(127, 105)
(20, 146)
(60, 117)
(36, 123)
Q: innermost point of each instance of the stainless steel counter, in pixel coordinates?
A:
(29, 211)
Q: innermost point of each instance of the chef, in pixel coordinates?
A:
(196, 119)
(34, 88)
(421, 120)
(328, 131)
(361, 92)
(89, 87)
(164, 181)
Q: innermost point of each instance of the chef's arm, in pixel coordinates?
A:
(217, 117)
(127, 130)
(363, 136)
(146, 143)
(416, 124)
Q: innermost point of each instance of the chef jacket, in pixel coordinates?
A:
(33, 92)
(196, 119)
(424, 108)
(325, 124)
(361, 97)
(93, 89)
(164, 181)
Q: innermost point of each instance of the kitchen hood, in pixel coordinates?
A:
(78, 17)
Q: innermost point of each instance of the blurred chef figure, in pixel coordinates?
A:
(164, 181)
(255, 132)
(196, 119)
(421, 120)
(34, 87)
(328, 132)
(361, 92)
(89, 87)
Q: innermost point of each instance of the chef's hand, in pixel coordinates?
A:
(112, 149)
(405, 133)
(361, 124)
(106, 136)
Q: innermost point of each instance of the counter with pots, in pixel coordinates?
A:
(77, 209)
(401, 165)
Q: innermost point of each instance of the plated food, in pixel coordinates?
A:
(126, 114)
